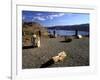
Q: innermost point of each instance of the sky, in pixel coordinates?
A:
(48, 19)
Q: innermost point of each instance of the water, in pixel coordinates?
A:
(68, 33)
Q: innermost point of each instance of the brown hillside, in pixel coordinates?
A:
(29, 28)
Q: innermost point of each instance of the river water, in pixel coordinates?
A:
(68, 32)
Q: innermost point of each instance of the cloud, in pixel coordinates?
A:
(23, 17)
(61, 14)
(38, 14)
(55, 15)
(40, 18)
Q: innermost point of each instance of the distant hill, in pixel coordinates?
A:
(81, 27)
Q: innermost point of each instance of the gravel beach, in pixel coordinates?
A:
(77, 53)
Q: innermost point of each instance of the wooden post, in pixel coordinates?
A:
(39, 33)
(76, 32)
(54, 32)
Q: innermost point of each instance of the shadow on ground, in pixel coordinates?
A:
(47, 64)
(65, 41)
(29, 47)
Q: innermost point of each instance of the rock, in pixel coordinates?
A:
(79, 36)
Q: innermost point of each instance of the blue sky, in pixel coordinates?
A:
(55, 18)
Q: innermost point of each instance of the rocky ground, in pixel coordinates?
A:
(77, 51)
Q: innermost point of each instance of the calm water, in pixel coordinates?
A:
(68, 33)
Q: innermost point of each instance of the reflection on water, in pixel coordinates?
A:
(67, 32)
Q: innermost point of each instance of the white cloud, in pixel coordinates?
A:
(39, 14)
(61, 14)
(55, 15)
(39, 18)
(42, 17)
(23, 17)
